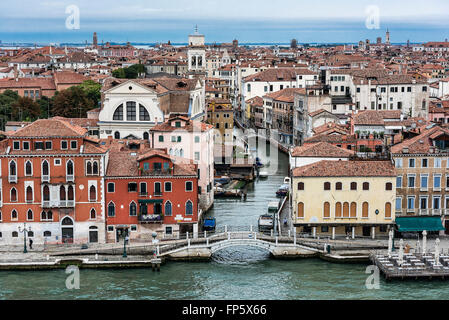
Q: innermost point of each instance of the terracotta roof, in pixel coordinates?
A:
(285, 95)
(375, 117)
(50, 128)
(279, 74)
(421, 143)
(321, 149)
(43, 83)
(329, 168)
(190, 126)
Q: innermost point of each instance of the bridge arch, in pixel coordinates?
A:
(218, 246)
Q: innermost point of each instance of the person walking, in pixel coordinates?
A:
(31, 244)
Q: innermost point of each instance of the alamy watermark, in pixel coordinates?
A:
(73, 280)
(73, 20)
(373, 17)
(373, 280)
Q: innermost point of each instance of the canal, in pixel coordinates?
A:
(238, 273)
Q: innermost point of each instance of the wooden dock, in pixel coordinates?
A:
(414, 266)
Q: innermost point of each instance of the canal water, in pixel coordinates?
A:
(233, 274)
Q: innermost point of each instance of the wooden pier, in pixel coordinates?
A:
(413, 267)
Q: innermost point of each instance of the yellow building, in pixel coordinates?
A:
(354, 198)
(221, 115)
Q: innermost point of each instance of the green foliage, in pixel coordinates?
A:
(25, 109)
(72, 103)
(131, 72)
(92, 90)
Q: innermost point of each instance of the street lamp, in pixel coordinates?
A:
(25, 230)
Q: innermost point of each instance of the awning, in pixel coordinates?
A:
(151, 201)
(417, 224)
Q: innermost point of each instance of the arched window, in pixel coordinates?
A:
(365, 209)
(143, 113)
(168, 208)
(133, 209)
(29, 214)
(338, 210)
(93, 214)
(353, 186)
(14, 215)
(338, 186)
(28, 168)
(46, 193)
(111, 209)
(346, 210)
(12, 168)
(388, 210)
(71, 193)
(366, 186)
(62, 194)
(47, 234)
(93, 193)
(146, 136)
(43, 216)
(45, 168)
(327, 210)
(89, 167)
(29, 194)
(118, 114)
(301, 186)
(301, 210)
(116, 135)
(389, 186)
(70, 167)
(67, 222)
(50, 215)
(13, 195)
(189, 208)
(353, 210)
(327, 186)
(95, 167)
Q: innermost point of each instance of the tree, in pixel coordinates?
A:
(45, 104)
(92, 90)
(7, 99)
(119, 73)
(72, 103)
(25, 109)
(294, 44)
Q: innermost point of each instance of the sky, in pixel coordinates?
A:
(249, 21)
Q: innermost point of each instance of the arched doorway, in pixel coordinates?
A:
(67, 230)
(93, 234)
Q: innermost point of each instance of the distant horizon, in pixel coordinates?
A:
(249, 21)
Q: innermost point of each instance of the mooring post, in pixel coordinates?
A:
(277, 240)
(289, 233)
(272, 232)
(229, 236)
(188, 243)
(187, 234)
(157, 250)
(250, 228)
(226, 228)
(294, 238)
(205, 234)
(207, 241)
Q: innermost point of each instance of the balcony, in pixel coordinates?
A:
(436, 212)
(12, 178)
(46, 178)
(70, 178)
(150, 218)
(143, 194)
(46, 204)
(157, 194)
(423, 212)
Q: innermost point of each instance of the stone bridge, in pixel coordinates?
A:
(203, 248)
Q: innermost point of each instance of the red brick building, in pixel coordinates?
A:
(52, 180)
(149, 191)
